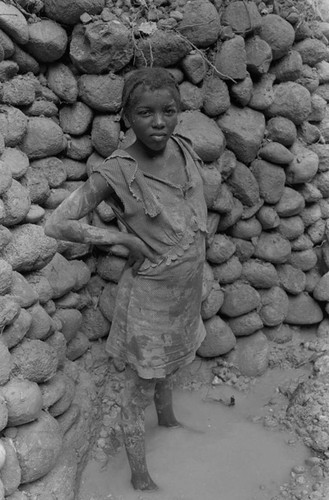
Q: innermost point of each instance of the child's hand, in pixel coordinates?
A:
(138, 252)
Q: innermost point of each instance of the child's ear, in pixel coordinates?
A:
(125, 120)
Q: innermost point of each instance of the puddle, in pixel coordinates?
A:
(220, 455)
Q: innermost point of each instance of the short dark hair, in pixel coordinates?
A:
(154, 78)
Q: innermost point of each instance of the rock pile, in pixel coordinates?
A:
(254, 83)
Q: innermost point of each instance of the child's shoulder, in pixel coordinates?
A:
(185, 142)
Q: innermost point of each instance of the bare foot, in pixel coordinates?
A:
(169, 422)
(144, 482)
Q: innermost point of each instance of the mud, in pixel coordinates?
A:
(237, 441)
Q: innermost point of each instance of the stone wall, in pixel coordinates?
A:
(254, 80)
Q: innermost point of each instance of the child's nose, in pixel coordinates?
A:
(158, 120)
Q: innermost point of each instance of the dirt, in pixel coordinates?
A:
(242, 438)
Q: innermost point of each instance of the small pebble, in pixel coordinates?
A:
(298, 469)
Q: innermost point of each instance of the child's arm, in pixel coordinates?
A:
(64, 222)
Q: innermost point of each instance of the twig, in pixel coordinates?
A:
(205, 58)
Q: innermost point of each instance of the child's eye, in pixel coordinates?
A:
(170, 112)
(143, 112)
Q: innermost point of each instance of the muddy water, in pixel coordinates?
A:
(220, 454)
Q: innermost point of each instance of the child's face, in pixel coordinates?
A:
(153, 117)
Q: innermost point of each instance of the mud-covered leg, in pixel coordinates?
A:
(137, 395)
(163, 404)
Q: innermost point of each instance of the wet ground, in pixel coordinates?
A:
(233, 446)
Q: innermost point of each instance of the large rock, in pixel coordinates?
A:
(303, 310)
(244, 130)
(19, 91)
(17, 203)
(60, 275)
(274, 306)
(105, 134)
(288, 68)
(242, 17)
(272, 247)
(291, 100)
(60, 481)
(69, 13)
(231, 60)
(13, 125)
(312, 51)
(99, 46)
(219, 338)
(278, 33)
(29, 249)
(162, 48)
(259, 55)
(251, 355)
(15, 161)
(43, 138)
(291, 203)
(62, 82)
(239, 298)
(47, 41)
(262, 94)
(101, 92)
(271, 180)
(207, 139)
(216, 97)
(13, 23)
(200, 23)
(37, 457)
(281, 130)
(304, 165)
(244, 185)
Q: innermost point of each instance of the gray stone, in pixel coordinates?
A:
(292, 101)
(29, 248)
(251, 355)
(291, 203)
(62, 82)
(281, 130)
(13, 125)
(105, 134)
(312, 51)
(19, 91)
(219, 338)
(162, 48)
(304, 259)
(309, 78)
(43, 138)
(262, 95)
(25, 62)
(207, 139)
(101, 92)
(278, 33)
(13, 23)
(304, 165)
(291, 227)
(303, 310)
(200, 23)
(239, 298)
(36, 184)
(243, 185)
(191, 96)
(17, 203)
(231, 60)
(47, 41)
(242, 17)
(259, 55)
(241, 92)
(195, 67)
(271, 180)
(53, 169)
(216, 96)
(274, 306)
(79, 148)
(244, 130)
(75, 119)
(292, 280)
(69, 13)
(289, 68)
(272, 247)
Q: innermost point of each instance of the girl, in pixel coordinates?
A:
(155, 189)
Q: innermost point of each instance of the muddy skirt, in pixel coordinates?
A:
(157, 326)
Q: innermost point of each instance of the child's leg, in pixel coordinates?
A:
(163, 403)
(137, 395)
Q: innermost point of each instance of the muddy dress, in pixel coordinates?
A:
(157, 326)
